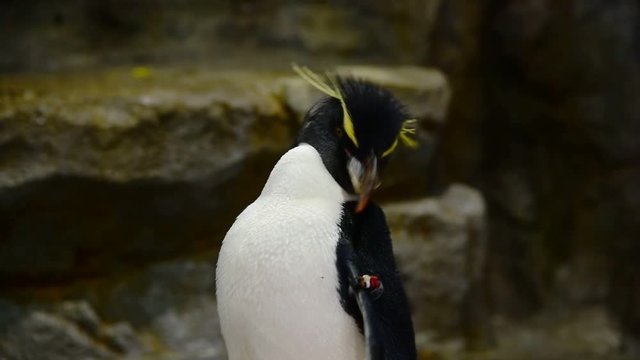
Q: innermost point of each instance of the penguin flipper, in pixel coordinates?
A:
(371, 241)
(374, 349)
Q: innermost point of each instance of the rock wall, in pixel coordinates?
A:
(440, 245)
(545, 121)
(108, 175)
(115, 193)
(122, 171)
(83, 34)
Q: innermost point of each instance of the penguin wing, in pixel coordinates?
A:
(374, 349)
(385, 319)
(390, 310)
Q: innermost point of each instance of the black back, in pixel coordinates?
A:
(365, 242)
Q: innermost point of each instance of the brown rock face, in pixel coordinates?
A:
(114, 172)
(545, 110)
(440, 246)
(75, 34)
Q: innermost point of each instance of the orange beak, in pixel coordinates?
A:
(364, 179)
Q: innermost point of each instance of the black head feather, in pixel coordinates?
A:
(377, 119)
(377, 116)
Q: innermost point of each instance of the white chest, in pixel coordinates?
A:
(277, 281)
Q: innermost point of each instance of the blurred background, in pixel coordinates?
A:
(133, 132)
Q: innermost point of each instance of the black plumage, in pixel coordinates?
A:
(377, 118)
(365, 243)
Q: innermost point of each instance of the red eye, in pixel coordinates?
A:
(339, 132)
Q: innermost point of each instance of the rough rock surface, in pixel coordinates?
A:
(82, 314)
(583, 333)
(166, 311)
(37, 334)
(173, 303)
(152, 162)
(103, 175)
(440, 245)
(69, 34)
(544, 121)
(172, 125)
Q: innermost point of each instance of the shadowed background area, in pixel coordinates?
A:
(133, 133)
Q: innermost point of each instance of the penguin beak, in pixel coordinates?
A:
(364, 178)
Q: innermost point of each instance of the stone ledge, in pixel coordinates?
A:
(103, 172)
(174, 125)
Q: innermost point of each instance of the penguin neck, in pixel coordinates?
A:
(301, 174)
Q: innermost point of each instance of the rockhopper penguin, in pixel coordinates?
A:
(307, 270)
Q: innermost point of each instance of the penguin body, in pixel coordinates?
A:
(289, 279)
(277, 276)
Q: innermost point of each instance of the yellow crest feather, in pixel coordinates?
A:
(408, 131)
(391, 148)
(314, 79)
(331, 90)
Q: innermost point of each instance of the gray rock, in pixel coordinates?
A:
(582, 333)
(70, 35)
(166, 311)
(320, 28)
(175, 125)
(141, 297)
(439, 245)
(82, 314)
(171, 305)
(193, 331)
(155, 165)
(32, 334)
(582, 280)
(122, 338)
(545, 122)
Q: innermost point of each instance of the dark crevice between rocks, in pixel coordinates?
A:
(65, 228)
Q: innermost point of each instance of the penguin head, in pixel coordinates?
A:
(355, 130)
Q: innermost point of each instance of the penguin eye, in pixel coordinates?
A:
(339, 132)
